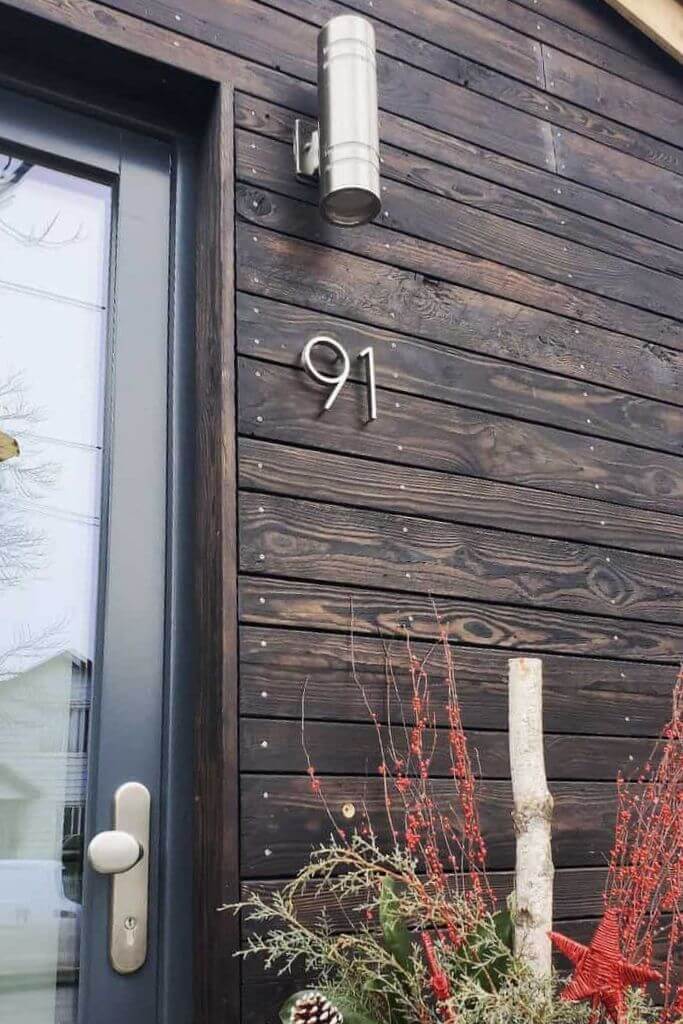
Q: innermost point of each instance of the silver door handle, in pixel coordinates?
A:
(123, 853)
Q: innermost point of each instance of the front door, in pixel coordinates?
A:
(86, 652)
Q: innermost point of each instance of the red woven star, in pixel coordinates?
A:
(601, 974)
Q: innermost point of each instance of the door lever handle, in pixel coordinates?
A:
(112, 853)
(123, 853)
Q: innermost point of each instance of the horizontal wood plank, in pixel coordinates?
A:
(379, 612)
(450, 26)
(436, 263)
(580, 695)
(476, 190)
(280, 403)
(259, 80)
(541, 182)
(590, 87)
(644, 65)
(374, 293)
(408, 168)
(509, 119)
(593, 20)
(419, 367)
(118, 28)
(292, 819)
(324, 476)
(481, 53)
(342, 748)
(300, 539)
(581, 159)
(446, 221)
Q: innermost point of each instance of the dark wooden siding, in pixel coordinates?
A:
(522, 292)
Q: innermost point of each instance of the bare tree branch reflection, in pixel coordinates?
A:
(23, 548)
(28, 645)
(12, 172)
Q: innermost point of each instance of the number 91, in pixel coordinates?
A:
(337, 381)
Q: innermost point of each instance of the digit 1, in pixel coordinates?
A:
(369, 355)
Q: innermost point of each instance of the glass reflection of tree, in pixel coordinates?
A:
(22, 547)
(23, 552)
(12, 173)
(26, 478)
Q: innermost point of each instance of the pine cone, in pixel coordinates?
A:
(314, 1008)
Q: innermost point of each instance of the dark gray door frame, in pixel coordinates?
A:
(202, 641)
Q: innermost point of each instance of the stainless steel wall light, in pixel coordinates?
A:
(343, 152)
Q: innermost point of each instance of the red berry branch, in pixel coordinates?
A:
(445, 840)
(645, 880)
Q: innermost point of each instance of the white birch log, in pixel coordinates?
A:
(532, 816)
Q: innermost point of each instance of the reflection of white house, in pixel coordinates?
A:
(43, 743)
(43, 734)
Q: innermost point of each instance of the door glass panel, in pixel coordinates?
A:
(54, 271)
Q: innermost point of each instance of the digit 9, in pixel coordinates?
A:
(337, 381)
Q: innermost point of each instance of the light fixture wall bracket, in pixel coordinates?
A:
(306, 151)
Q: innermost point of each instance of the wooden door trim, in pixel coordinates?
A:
(216, 719)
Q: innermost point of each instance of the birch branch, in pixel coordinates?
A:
(532, 816)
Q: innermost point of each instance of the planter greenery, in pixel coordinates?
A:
(407, 931)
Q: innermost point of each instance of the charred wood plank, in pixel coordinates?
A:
(291, 819)
(305, 540)
(305, 605)
(437, 263)
(282, 404)
(343, 285)
(345, 748)
(581, 695)
(433, 370)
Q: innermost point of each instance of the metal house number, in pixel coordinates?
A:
(337, 381)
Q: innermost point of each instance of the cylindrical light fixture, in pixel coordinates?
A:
(345, 153)
(349, 135)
